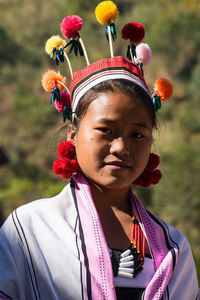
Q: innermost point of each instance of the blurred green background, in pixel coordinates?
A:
(29, 126)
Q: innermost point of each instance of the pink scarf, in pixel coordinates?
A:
(164, 251)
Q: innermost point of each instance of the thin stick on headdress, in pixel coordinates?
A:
(84, 51)
(69, 64)
(61, 83)
(110, 41)
(106, 12)
(131, 53)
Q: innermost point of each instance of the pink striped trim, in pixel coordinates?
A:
(161, 254)
(102, 281)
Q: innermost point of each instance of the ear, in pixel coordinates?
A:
(71, 133)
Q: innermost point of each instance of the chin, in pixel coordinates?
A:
(112, 184)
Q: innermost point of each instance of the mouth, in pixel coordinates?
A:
(117, 165)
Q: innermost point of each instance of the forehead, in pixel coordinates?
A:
(118, 106)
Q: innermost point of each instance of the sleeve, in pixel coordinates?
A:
(11, 257)
(183, 283)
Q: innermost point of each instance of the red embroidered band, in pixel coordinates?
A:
(106, 69)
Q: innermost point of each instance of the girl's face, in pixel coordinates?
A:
(113, 140)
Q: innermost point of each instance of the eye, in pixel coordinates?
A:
(137, 135)
(104, 130)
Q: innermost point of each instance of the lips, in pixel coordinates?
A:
(118, 164)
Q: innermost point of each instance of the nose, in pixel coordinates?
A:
(119, 146)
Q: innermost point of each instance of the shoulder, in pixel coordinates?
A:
(45, 206)
(172, 234)
(183, 283)
(35, 214)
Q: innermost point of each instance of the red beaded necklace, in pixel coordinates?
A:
(138, 239)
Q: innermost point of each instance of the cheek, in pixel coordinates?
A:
(141, 153)
(88, 149)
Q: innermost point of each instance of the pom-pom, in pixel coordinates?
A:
(65, 101)
(134, 32)
(150, 175)
(148, 178)
(54, 42)
(66, 149)
(70, 26)
(106, 12)
(65, 167)
(143, 53)
(153, 162)
(163, 88)
(51, 79)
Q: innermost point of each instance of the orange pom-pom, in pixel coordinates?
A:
(163, 88)
(52, 79)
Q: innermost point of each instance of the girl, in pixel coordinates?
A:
(95, 240)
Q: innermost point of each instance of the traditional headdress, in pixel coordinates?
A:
(138, 55)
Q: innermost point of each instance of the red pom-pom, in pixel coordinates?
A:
(66, 149)
(134, 32)
(56, 167)
(150, 175)
(70, 26)
(65, 167)
(157, 175)
(153, 162)
(68, 167)
(147, 178)
(65, 101)
(74, 165)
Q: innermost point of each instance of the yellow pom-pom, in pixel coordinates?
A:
(163, 88)
(54, 41)
(106, 12)
(52, 79)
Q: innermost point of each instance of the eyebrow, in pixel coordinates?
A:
(140, 124)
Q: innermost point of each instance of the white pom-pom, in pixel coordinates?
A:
(143, 53)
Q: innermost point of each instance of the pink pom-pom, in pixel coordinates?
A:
(134, 32)
(65, 101)
(143, 53)
(70, 26)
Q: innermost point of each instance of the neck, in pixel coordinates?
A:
(116, 200)
(114, 210)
